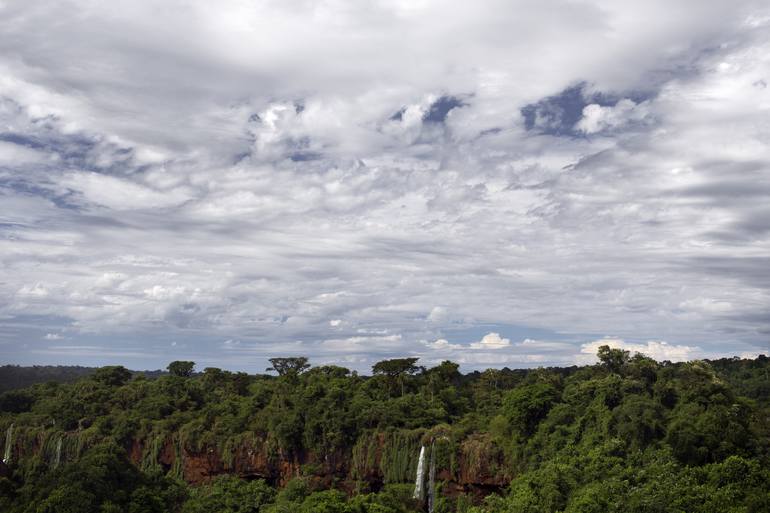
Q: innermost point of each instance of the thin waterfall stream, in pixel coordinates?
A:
(432, 478)
(8, 445)
(57, 454)
(419, 491)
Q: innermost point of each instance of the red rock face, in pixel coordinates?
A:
(135, 452)
(478, 468)
(479, 465)
(254, 463)
(201, 467)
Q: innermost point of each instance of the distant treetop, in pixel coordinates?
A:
(181, 368)
(289, 366)
(397, 367)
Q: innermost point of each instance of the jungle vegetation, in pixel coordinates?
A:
(627, 434)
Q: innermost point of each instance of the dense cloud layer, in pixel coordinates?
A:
(496, 183)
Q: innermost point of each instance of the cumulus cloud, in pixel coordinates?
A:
(443, 344)
(597, 118)
(438, 314)
(222, 178)
(491, 341)
(497, 351)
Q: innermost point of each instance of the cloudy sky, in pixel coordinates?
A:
(491, 182)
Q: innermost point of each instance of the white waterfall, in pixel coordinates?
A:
(419, 493)
(57, 454)
(432, 478)
(8, 445)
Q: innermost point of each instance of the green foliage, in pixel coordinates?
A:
(364, 455)
(16, 401)
(397, 370)
(14, 377)
(292, 366)
(392, 455)
(699, 435)
(627, 435)
(638, 421)
(399, 456)
(182, 369)
(393, 498)
(615, 360)
(527, 405)
(396, 367)
(328, 501)
(102, 480)
(112, 376)
(483, 456)
(228, 494)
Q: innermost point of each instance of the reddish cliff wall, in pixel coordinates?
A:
(479, 465)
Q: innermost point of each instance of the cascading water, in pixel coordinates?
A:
(8, 445)
(57, 454)
(432, 478)
(419, 492)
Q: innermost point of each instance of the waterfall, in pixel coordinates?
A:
(8, 445)
(419, 493)
(57, 454)
(432, 478)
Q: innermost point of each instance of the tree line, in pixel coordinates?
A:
(626, 434)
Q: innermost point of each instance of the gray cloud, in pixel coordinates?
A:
(353, 182)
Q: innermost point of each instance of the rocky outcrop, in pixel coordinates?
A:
(478, 468)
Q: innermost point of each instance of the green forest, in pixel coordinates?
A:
(627, 434)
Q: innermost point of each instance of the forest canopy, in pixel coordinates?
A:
(626, 434)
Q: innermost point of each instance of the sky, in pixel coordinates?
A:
(497, 183)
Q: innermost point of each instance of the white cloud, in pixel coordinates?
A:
(37, 290)
(545, 346)
(438, 314)
(14, 154)
(491, 341)
(119, 194)
(363, 344)
(443, 344)
(597, 118)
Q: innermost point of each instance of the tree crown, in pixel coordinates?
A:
(181, 368)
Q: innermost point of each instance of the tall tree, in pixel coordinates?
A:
(112, 375)
(181, 368)
(291, 366)
(614, 360)
(397, 369)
